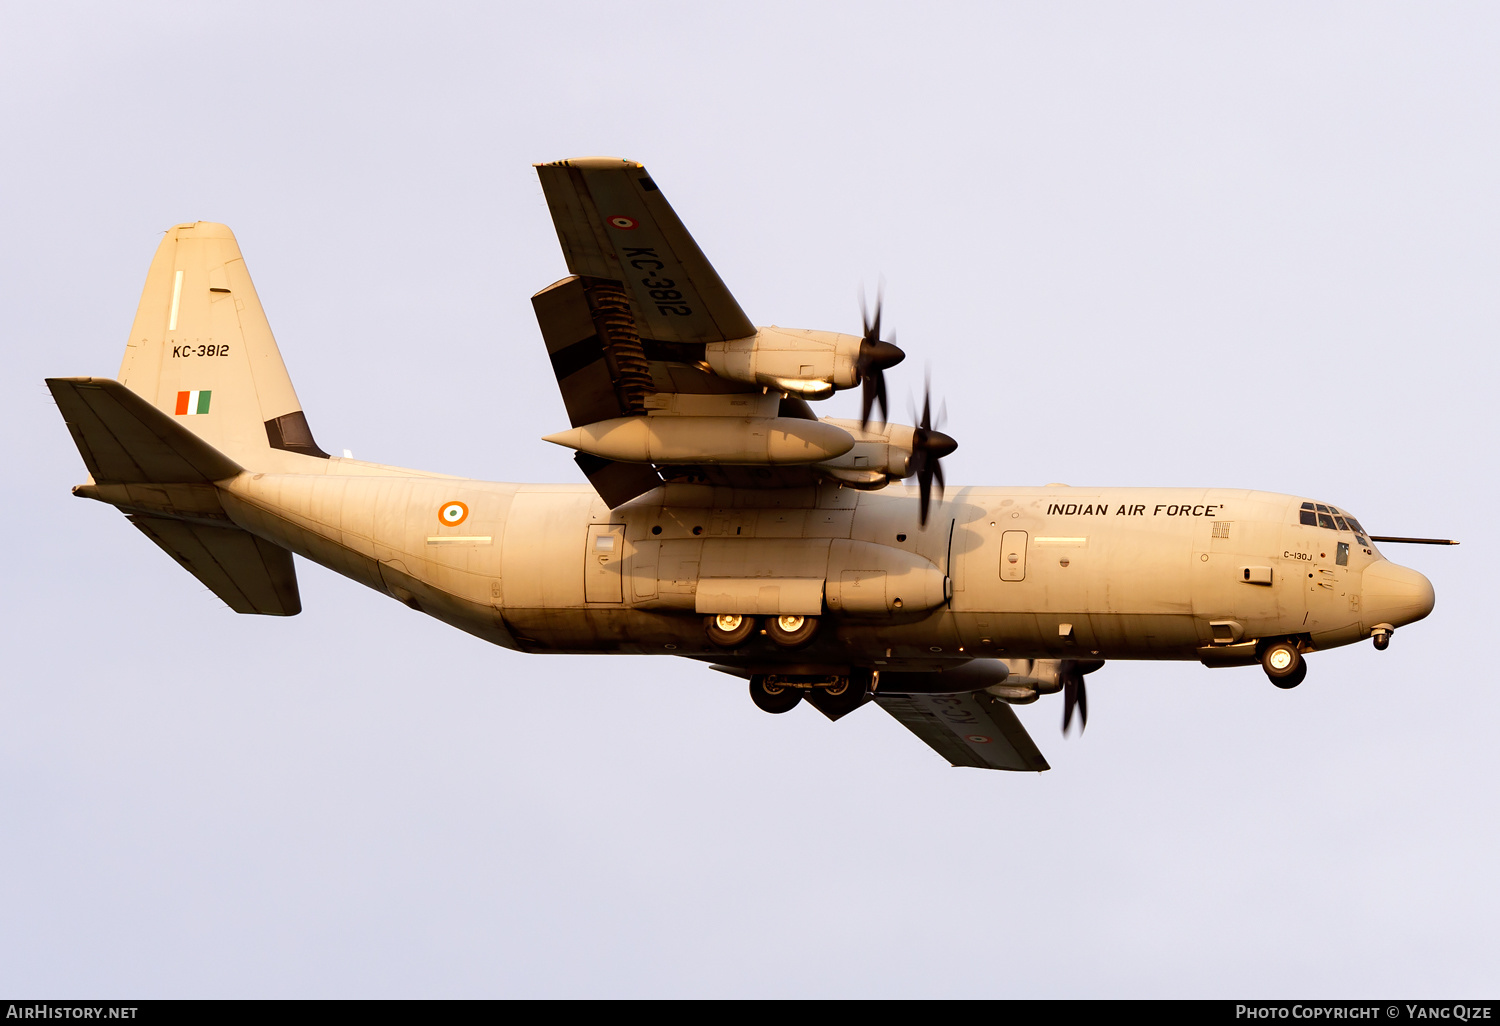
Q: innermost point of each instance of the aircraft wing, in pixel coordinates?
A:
(626, 330)
(974, 729)
(614, 224)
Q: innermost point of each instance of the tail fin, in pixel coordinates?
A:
(202, 352)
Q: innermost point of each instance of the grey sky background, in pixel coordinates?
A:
(1154, 244)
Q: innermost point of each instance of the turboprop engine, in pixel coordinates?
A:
(1031, 678)
(881, 453)
(809, 364)
(798, 361)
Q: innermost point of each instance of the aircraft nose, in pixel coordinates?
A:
(1395, 594)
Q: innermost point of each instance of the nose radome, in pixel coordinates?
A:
(1395, 594)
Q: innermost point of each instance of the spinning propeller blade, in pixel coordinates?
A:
(928, 447)
(875, 357)
(1075, 693)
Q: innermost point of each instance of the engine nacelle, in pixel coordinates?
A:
(1044, 676)
(881, 454)
(798, 361)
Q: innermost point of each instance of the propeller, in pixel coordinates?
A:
(1074, 693)
(875, 357)
(928, 447)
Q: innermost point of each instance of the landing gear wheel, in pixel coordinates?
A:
(773, 698)
(840, 701)
(1287, 683)
(728, 630)
(791, 631)
(1283, 664)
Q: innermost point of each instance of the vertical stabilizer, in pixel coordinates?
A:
(202, 352)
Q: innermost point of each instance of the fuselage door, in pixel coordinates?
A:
(1013, 556)
(603, 562)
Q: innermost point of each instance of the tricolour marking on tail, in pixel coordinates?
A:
(201, 349)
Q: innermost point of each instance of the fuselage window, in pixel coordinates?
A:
(1309, 518)
(1343, 554)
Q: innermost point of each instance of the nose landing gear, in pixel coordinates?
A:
(1284, 665)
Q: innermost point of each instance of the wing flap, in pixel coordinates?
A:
(586, 362)
(123, 439)
(250, 574)
(613, 222)
(975, 729)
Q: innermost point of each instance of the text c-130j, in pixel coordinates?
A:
(722, 519)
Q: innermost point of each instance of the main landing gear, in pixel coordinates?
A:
(833, 695)
(772, 697)
(1284, 664)
(730, 630)
(791, 631)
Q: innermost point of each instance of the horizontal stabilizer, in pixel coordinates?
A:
(123, 439)
(975, 729)
(250, 574)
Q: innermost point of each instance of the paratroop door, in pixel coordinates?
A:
(602, 563)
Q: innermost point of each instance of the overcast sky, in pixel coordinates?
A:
(1149, 244)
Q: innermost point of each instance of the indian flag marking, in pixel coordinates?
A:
(451, 514)
(189, 403)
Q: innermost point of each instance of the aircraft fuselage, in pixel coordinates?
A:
(1028, 572)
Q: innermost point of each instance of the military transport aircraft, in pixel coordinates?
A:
(722, 519)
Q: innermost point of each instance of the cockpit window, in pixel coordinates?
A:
(1315, 514)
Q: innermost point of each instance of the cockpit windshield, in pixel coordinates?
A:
(1315, 514)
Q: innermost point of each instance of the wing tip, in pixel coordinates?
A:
(591, 163)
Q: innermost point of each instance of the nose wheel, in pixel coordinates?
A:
(1284, 665)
